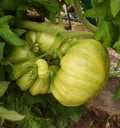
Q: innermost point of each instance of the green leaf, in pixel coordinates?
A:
(96, 2)
(77, 113)
(68, 2)
(99, 1)
(100, 32)
(1, 12)
(49, 8)
(32, 121)
(19, 32)
(100, 10)
(63, 115)
(2, 73)
(3, 87)
(113, 74)
(53, 8)
(117, 46)
(116, 20)
(9, 36)
(10, 4)
(10, 114)
(118, 64)
(30, 100)
(2, 44)
(106, 32)
(117, 93)
(62, 122)
(4, 19)
(91, 13)
(115, 7)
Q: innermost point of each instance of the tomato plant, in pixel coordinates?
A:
(43, 65)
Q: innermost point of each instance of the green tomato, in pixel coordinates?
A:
(19, 54)
(43, 70)
(53, 72)
(31, 38)
(21, 68)
(84, 71)
(40, 86)
(45, 41)
(66, 45)
(27, 80)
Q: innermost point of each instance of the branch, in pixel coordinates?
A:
(85, 22)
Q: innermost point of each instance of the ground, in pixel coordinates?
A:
(99, 120)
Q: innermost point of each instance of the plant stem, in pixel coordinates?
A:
(60, 21)
(86, 23)
(69, 35)
(42, 27)
(77, 34)
(55, 29)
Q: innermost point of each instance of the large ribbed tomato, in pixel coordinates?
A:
(84, 71)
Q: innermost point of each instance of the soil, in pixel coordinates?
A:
(97, 120)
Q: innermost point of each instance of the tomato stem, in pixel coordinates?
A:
(55, 30)
(86, 23)
(52, 29)
(77, 34)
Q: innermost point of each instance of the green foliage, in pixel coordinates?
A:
(115, 7)
(48, 8)
(33, 121)
(107, 14)
(3, 87)
(6, 33)
(9, 6)
(117, 20)
(9, 36)
(118, 64)
(68, 2)
(2, 44)
(117, 46)
(106, 32)
(10, 114)
(99, 10)
(40, 111)
(113, 74)
(117, 93)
